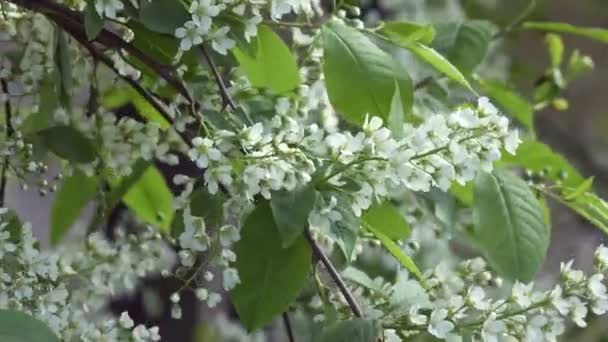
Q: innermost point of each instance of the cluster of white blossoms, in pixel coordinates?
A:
(455, 302)
(208, 22)
(285, 155)
(67, 288)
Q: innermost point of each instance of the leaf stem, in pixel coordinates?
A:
(335, 275)
(226, 98)
(288, 327)
(9, 133)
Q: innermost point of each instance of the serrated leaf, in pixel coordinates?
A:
(404, 32)
(465, 44)
(93, 23)
(598, 34)
(361, 78)
(536, 156)
(163, 16)
(385, 218)
(150, 199)
(271, 276)
(68, 143)
(510, 225)
(510, 102)
(290, 210)
(75, 192)
(396, 251)
(440, 63)
(356, 330)
(16, 326)
(273, 66)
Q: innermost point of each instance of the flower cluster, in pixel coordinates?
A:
(62, 289)
(454, 302)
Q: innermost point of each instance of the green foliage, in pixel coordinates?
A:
(68, 143)
(586, 204)
(396, 251)
(465, 44)
(510, 102)
(556, 49)
(93, 23)
(344, 232)
(386, 219)
(63, 62)
(356, 330)
(163, 16)
(17, 326)
(403, 32)
(598, 34)
(271, 276)
(439, 62)
(150, 199)
(76, 191)
(290, 210)
(361, 78)
(273, 66)
(536, 156)
(510, 225)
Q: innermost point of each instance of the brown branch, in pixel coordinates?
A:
(335, 275)
(63, 16)
(9, 133)
(288, 327)
(226, 99)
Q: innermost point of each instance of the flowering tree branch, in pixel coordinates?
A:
(226, 98)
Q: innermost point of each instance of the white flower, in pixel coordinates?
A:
(190, 34)
(220, 41)
(126, 321)
(251, 27)
(465, 118)
(438, 325)
(213, 300)
(415, 317)
(476, 297)
(570, 274)
(557, 300)
(194, 237)
(521, 294)
(230, 278)
(108, 7)
(324, 218)
(203, 12)
(512, 141)
(579, 312)
(486, 107)
(601, 256)
(228, 235)
(596, 286)
(493, 329)
(201, 293)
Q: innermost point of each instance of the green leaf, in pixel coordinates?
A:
(16, 326)
(465, 44)
(345, 231)
(68, 143)
(356, 330)
(386, 219)
(362, 279)
(290, 210)
(93, 23)
(163, 16)
(48, 102)
(396, 251)
(151, 199)
(556, 49)
(587, 205)
(598, 34)
(585, 186)
(273, 66)
(120, 187)
(510, 225)
(271, 276)
(75, 192)
(361, 79)
(396, 116)
(509, 101)
(439, 62)
(464, 193)
(403, 32)
(536, 156)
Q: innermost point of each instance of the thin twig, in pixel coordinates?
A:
(335, 275)
(288, 328)
(226, 98)
(9, 134)
(423, 82)
(515, 23)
